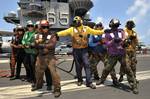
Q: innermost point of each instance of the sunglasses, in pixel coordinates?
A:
(45, 27)
(20, 29)
(99, 25)
(30, 26)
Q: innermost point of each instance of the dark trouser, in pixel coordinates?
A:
(81, 59)
(131, 59)
(42, 63)
(30, 60)
(95, 58)
(48, 77)
(112, 61)
(13, 62)
(20, 60)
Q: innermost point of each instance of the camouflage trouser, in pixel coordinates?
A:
(94, 60)
(131, 59)
(41, 65)
(112, 61)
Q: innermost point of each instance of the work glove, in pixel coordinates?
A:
(117, 40)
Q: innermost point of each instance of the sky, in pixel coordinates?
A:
(104, 11)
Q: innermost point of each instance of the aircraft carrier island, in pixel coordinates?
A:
(58, 12)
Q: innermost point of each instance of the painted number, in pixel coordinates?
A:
(51, 17)
(63, 18)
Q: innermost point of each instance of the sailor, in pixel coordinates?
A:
(116, 52)
(48, 76)
(20, 53)
(131, 47)
(99, 53)
(79, 34)
(45, 44)
(30, 56)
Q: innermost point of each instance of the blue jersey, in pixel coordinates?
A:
(94, 44)
(94, 40)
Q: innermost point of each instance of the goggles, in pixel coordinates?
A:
(30, 25)
(45, 27)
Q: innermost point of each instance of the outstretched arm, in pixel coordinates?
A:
(94, 32)
(64, 32)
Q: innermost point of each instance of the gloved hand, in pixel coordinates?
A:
(57, 37)
(126, 43)
(132, 37)
(32, 45)
(26, 46)
(69, 46)
(117, 40)
(40, 46)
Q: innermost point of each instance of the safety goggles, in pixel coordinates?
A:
(45, 27)
(30, 25)
(99, 25)
(76, 21)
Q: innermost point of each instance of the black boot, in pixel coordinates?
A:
(79, 83)
(92, 86)
(14, 78)
(134, 88)
(137, 81)
(116, 83)
(35, 88)
(11, 76)
(99, 82)
(103, 77)
(135, 91)
(49, 88)
(121, 78)
(33, 85)
(57, 92)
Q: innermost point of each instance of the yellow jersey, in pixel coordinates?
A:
(134, 42)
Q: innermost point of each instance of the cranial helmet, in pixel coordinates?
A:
(30, 22)
(19, 28)
(99, 25)
(77, 21)
(114, 23)
(44, 23)
(130, 23)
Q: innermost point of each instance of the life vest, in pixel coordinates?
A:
(80, 39)
(45, 39)
(134, 42)
(118, 34)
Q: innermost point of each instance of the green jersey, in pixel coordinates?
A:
(28, 38)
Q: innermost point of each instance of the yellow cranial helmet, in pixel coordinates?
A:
(78, 19)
